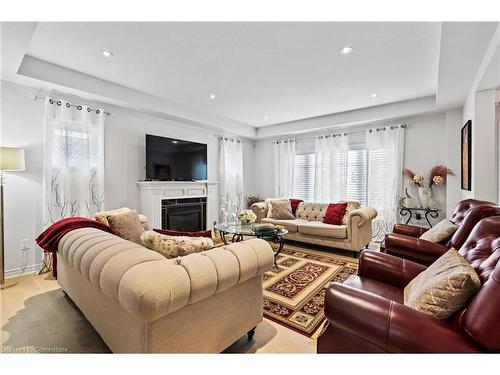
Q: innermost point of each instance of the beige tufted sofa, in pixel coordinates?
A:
(308, 226)
(141, 302)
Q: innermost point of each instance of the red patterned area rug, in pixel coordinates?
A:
(294, 293)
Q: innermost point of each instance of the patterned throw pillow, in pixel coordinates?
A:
(351, 206)
(444, 287)
(281, 210)
(102, 216)
(175, 246)
(442, 231)
(127, 226)
(270, 207)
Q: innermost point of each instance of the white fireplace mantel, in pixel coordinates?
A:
(151, 194)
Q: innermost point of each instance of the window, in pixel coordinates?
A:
(70, 146)
(378, 172)
(303, 181)
(356, 176)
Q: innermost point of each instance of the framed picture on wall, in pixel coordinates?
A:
(466, 156)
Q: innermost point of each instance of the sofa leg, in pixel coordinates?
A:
(354, 254)
(251, 333)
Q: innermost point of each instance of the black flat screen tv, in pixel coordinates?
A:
(169, 159)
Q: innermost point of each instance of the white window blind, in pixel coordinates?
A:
(356, 176)
(304, 177)
(362, 166)
(377, 173)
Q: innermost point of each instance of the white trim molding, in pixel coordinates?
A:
(151, 193)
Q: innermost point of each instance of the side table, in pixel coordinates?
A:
(418, 213)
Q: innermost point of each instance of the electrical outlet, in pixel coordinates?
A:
(25, 244)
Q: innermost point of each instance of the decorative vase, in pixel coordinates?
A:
(424, 193)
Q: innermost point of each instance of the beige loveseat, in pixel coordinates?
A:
(142, 302)
(308, 226)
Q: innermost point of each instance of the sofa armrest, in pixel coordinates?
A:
(389, 325)
(387, 268)
(359, 227)
(409, 230)
(260, 210)
(415, 249)
(364, 215)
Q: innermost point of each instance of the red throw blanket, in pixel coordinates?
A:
(49, 239)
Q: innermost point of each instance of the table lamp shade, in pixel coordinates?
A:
(11, 159)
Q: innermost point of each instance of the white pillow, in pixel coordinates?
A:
(440, 232)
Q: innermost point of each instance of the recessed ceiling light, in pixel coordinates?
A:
(212, 96)
(374, 95)
(266, 118)
(107, 53)
(175, 141)
(346, 50)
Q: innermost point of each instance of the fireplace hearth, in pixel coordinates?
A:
(184, 214)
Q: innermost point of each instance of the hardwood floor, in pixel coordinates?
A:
(36, 316)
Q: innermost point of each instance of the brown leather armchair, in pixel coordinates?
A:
(404, 241)
(366, 313)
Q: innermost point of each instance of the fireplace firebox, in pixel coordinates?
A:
(184, 214)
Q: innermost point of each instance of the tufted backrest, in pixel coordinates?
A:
(466, 215)
(311, 211)
(482, 250)
(149, 286)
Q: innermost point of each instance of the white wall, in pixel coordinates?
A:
(425, 147)
(497, 121)
(480, 108)
(22, 126)
(453, 150)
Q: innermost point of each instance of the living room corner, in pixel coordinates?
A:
(316, 186)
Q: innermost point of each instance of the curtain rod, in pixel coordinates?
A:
(79, 107)
(383, 128)
(232, 139)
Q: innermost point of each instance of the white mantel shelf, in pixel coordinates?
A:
(167, 183)
(151, 194)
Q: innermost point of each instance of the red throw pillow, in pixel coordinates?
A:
(295, 203)
(334, 213)
(201, 233)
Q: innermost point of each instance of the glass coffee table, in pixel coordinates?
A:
(238, 231)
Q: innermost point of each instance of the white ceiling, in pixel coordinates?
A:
(291, 72)
(286, 71)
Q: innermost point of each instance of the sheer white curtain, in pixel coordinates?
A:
(385, 147)
(330, 177)
(284, 164)
(231, 172)
(73, 161)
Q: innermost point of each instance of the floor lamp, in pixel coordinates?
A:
(11, 159)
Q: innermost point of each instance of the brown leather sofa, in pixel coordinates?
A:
(366, 314)
(405, 242)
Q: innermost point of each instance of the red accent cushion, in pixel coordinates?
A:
(295, 203)
(201, 233)
(334, 213)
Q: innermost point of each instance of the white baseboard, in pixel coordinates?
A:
(22, 271)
